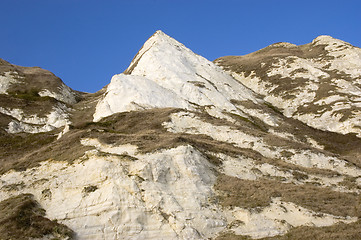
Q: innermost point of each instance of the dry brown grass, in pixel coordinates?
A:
(141, 128)
(30, 79)
(340, 231)
(267, 55)
(22, 218)
(144, 129)
(232, 236)
(259, 194)
(350, 183)
(28, 102)
(284, 86)
(83, 110)
(346, 147)
(15, 146)
(22, 151)
(4, 121)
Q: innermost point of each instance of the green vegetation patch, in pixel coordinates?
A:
(29, 95)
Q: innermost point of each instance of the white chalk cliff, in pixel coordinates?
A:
(165, 73)
(177, 147)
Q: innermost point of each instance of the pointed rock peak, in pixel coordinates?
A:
(327, 40)
(160, 40)
(160, 33)
(160, 36)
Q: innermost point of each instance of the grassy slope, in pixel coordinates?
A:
(22, 218)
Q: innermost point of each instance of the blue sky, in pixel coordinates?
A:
(86, 42)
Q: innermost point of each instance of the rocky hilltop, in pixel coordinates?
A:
(317, 83)
(261, 146)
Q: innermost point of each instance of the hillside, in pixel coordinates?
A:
(317, 83)
(262, 146)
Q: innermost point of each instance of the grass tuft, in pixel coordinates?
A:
(22, 218)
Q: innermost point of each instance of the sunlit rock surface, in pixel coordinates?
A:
(176, 147)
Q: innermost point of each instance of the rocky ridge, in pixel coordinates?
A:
(34, 99)
(177, 148)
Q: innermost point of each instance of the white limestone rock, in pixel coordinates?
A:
(58, 117)
(167, 74)
(65, 94)
(278, 218)
(164, 195)
(6, 80)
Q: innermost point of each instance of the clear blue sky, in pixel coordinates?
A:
(86, 42)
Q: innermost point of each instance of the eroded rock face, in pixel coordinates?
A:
(177, 148)
(115, 192)
(127, 195)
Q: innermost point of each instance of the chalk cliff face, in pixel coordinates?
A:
(167, 74)
(178, 147)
